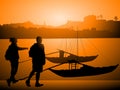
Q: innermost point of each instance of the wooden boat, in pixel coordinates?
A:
(63, 59)
(67, 59)
(84, 71)
(73, 60)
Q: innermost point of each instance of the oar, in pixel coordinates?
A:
(42, 71)
(24, 61)
(51, 53)
(53, 66)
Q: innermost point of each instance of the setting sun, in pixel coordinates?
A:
(58, 19)
(55, 12)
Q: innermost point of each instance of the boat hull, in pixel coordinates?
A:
(67, 59)
(84, 71)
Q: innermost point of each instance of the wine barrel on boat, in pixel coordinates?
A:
(84, 71)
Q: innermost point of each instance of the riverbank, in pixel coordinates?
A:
(64, 85)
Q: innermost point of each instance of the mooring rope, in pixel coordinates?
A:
(98, 50)
(42, 71)
(25, 61)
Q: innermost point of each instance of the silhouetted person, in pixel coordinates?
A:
(38, 60)
(13, 56)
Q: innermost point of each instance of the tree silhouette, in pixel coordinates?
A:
(116, 18)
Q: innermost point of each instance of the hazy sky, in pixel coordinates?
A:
(55, 12)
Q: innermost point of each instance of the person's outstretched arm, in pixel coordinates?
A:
(22, 48)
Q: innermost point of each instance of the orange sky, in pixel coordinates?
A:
(55, 12)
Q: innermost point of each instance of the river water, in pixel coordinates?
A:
(107, 49)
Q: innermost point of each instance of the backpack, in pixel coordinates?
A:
(7, 54)
(31, 52)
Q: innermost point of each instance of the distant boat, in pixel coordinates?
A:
(62, 59)
(84, 71)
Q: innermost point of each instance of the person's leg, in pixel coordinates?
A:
(12, 71)
(37, 77)
(11, 75)
(30, 76)
(37, 84)
(15, 69)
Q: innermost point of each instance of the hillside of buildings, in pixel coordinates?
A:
(90, 27)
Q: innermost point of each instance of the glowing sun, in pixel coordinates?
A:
(58, 19)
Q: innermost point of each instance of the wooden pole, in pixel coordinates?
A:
(42, 71)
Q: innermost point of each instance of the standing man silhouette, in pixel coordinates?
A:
(38, 60)
(13, 56)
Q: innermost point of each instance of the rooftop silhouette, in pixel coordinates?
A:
(90, 27)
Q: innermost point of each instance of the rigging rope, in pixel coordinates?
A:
(65, 46)
(84, 50)
(25, 61)
(98, 49)
(43, 70)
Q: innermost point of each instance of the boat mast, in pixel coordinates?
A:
(77, 48)
(77, 42)
(73, 65)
